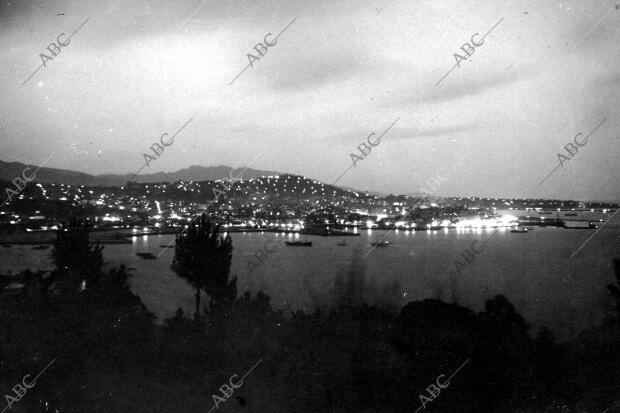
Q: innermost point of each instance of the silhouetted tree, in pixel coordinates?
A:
(350, 284)
(202, 257)
(613, 290)
(78, 262)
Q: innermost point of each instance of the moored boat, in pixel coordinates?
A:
(576, 224)
(146, 255)
(298, 243)
(380, 243)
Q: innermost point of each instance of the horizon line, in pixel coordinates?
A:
(365, 191)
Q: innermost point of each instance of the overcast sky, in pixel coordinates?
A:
(341, 71)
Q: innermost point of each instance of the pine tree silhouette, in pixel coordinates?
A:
(202, 257)
(78, 262)
(615, 291)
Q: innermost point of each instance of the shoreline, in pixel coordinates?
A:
(122, 236)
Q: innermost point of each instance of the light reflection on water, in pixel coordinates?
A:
(531, 269)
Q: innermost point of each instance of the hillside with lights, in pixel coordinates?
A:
(285, 201)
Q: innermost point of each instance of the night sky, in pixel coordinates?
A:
(341, 71)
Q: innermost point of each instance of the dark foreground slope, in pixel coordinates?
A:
(111, 357)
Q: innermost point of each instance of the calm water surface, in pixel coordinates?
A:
(532, 270)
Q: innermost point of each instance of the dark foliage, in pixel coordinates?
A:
(111, 357)
(202, 257)
(78, 263)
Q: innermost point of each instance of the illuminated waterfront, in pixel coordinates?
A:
(530, 269)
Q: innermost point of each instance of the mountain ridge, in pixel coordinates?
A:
(11, 170)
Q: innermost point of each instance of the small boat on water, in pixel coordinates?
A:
(342, 243)
(298, 243)
(41, 247)
(166, 246)
(146, 255)
(577, 224)
(380, 243)
(520, 230)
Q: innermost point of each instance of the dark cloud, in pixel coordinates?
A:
(397, 133)
(413, 133)
(343, 70)
(10, 10)
(612, 79)
(448, 91)
(318, 71)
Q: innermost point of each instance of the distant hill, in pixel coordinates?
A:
(193, 173)
(12, 170)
